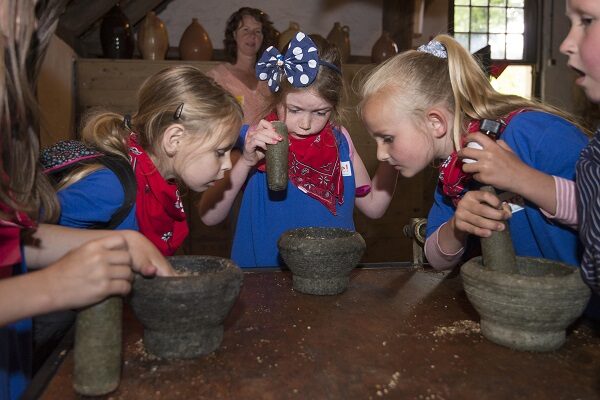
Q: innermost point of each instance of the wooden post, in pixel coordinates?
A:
(398, 21)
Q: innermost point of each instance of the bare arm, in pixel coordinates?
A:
(51, 242)
(216, 202)
(499, 166)
(86, 275)
(383, 185)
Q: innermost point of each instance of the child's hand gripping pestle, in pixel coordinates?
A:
(277, 159)
(497, 250)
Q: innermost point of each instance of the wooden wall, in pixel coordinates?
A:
(113, 84)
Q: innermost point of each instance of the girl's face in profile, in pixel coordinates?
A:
(305, 113)
(400, 142)
(582, 45)
(200, 165)
(248, 36)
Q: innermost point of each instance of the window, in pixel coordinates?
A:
(509, 27)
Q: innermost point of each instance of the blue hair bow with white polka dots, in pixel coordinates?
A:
(300, 64)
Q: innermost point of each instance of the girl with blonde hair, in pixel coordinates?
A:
(434, 103)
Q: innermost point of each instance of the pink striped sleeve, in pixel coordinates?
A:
(436, 257)
(566, 205)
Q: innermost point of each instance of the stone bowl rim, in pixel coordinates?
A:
(474, 269)
(351, 240)
(228, 267)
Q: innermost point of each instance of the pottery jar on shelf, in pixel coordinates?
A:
(195, 45)
(287, 35)
(116, 35)
(153, 40)
(339, 36)
(384, 48)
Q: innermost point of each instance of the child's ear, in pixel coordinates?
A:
(173, 139)
(437, 122)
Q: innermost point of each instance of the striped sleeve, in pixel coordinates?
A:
(588, 204)
(566, 203)
(436, 257)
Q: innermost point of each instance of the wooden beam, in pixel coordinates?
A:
(136, 9)
(81, 14)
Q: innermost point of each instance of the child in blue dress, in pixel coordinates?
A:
(326, 175)
(429, 104)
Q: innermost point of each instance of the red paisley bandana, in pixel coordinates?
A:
(159, 209)
(452, 178)
(314, 166)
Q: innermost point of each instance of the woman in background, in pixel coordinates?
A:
(248, 33)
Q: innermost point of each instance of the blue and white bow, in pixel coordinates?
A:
(300, 64)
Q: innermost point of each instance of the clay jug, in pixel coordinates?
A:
(384, 48)
(339, 36)
(116, 35)
(153, 40)
(195, 45)
(287, 35)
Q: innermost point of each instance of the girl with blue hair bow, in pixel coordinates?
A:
(326, 175)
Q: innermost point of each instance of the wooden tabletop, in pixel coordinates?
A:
(397, 332)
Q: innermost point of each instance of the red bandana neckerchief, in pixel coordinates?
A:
(10, 237)
(452, 178)
(314, 166)
(159, 209)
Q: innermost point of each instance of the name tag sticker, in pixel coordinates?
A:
(346, 171)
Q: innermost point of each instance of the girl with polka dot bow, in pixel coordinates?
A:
(326, 175)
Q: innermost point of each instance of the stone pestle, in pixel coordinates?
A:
(97, 349)
(277, 159)
(497, 250)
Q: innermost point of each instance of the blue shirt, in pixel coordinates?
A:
(264, 215)
(551, 145)
(94, 199)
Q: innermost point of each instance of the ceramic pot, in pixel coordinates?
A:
(287, 35)
(321, 259)
(529, 310)
(153, 40)
(116, 35)
(195, 45)
(384, 48)
(339, 36)
(183, 315)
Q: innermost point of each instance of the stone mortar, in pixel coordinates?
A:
(321, 259)
(183, 316)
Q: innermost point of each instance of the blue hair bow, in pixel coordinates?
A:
(300, 64)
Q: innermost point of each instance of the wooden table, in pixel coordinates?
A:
(397, 332)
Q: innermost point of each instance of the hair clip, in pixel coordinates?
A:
(127, 122)
(300, 64)
(434, 48)
(178, 112)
